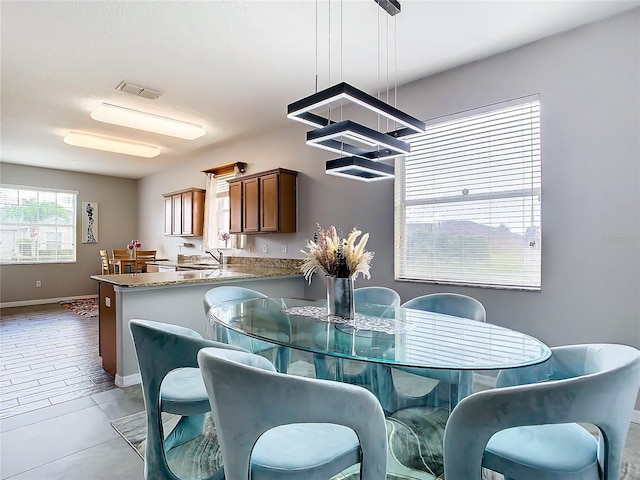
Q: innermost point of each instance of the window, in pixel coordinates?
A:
(467, 209)
(36, 225)
(223, 209)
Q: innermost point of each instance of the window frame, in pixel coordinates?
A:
(37, 251)
(222, 193)
(525, 276)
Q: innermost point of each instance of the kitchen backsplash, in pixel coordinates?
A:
(265, 261)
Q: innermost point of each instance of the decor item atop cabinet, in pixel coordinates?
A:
(263, 202)
(184, 212)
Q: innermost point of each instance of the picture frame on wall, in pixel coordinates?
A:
(89, 222)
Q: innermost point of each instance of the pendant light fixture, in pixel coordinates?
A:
(358, 168)
(363, 146)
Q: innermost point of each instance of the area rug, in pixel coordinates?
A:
(415, 448)
(85, 307)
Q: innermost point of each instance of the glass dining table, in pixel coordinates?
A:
(438, 359)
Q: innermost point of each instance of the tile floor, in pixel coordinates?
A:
(56, 402)
(59, 427)
(48, 355)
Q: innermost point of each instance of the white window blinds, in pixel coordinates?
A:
(37, 225)
(467, 207)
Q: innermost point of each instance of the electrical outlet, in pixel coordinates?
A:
(107, 301)
(264, 248)
(38, 283)
(284, 248)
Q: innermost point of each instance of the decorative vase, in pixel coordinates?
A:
(340, 297)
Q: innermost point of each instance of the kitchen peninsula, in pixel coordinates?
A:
(178, 298)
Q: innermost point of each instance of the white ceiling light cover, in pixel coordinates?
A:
(148, 122)
(110, 144)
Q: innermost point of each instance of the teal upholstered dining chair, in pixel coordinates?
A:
(356, 372)
(273, 426)
(228, 292)
(172, 383)
(530, 431)
(451, 386)
(377, 296)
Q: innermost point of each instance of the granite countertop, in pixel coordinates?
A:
(238, 270)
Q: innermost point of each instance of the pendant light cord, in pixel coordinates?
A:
(316, 46)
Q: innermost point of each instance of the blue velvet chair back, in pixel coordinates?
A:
(596, 384)
(170, 351)
(251, 400)
(358, 374)
(449, 304)
(229, 292)
(377, 295)
(452, 385)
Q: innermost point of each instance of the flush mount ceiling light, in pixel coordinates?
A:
(111, 144)
(149, 122)
(325, 138)
(361, 169)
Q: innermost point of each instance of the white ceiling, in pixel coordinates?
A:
(231, 66)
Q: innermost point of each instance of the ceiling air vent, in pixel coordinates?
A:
(138, 91)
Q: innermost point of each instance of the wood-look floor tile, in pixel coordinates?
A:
(48, 355)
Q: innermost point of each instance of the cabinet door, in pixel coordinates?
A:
(250, 206)
(187, 213)
(197, 213)
(235, 206)
(168, 215)
(177, 214)
(269, 203)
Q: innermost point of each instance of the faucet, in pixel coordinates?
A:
(217, 259)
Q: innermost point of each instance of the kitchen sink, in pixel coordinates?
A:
(199, 266)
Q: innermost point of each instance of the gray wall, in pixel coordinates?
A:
(588, 81)
(117, 224)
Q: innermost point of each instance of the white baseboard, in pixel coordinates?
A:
(43, 301)
(128, 380)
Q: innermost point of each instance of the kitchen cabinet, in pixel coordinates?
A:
(250, 207)
(264, 202)
(107, 327)
(184, 212)
(235, 206)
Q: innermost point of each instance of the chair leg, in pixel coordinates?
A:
(188, 428)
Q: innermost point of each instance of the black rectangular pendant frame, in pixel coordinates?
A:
(391, 147)
(392, 7)
(300, 110)
(358, 168)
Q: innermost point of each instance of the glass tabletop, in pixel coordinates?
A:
(395, 336)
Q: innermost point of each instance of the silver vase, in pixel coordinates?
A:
(340, 297)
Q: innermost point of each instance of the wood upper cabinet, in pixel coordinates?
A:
(235, 206)
(264, 202)
(184, 212)
(250, 205)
